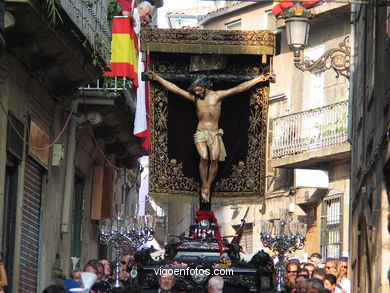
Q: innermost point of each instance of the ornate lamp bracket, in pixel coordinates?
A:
(337, 59)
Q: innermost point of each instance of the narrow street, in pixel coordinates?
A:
(194, 146)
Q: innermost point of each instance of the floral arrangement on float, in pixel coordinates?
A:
(282, 5)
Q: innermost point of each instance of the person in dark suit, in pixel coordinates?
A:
(215, 285)
(166, 282)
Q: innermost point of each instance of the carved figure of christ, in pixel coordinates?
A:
(208, 136)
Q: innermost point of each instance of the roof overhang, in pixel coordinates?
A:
(54, 52)
(113, 131)
(209, 17)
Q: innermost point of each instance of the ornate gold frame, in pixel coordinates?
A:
(247, 180)
(207, 41)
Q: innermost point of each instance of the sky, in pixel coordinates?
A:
(175, 5)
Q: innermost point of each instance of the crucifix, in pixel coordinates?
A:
(208, 136)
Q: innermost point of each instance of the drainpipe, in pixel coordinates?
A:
(69, 160)
(69, 171)
(350, 127)
(352, 74)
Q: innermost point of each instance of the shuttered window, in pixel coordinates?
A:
(388, 21)
(78, 212)
(247, 239)
(331, 226)
(30, 227)
(9, 217)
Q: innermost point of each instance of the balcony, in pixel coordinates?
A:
(64, 53)
(109, 85)
(90, 17)
(317, 133)
(109, 107)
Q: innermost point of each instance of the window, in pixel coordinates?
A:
(31, 228)
(272, 26)
(331, 226)
(78, 213)
(234, 25)
(315, 80)
(9, 215)
(313, 98)
(278, 41)
(271, 21)
(388, 21)
(247, 239)
(386, 179)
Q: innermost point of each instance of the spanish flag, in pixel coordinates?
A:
(124, 50)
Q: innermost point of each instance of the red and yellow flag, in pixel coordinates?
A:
(124, 50)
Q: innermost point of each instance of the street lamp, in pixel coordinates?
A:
(297, 30)
(282, 236)
(297, 27)
(121, 233)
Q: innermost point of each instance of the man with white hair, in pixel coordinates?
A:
(142, 15)
(215, 285)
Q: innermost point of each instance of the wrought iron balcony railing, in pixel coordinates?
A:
(109, 84)
(314, 129)
(90, 16)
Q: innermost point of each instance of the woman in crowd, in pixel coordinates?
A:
(343, 284)
(3, 274)
(330, 282)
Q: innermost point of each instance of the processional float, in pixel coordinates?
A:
(228, 58)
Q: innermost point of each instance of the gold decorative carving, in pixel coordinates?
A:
(166, 175)
(207, 42)
(207, 62)
(247, 178)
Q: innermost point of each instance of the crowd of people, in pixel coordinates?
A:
(105, 273)
(100, 267)
(318, 275)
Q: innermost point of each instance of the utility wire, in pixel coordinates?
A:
(38, 148)
(95, 140)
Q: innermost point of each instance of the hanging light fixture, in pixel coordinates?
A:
(297, 26)
(296, 16)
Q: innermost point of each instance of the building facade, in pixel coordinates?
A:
(370, 186)
(308, 121)
(64, 149)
